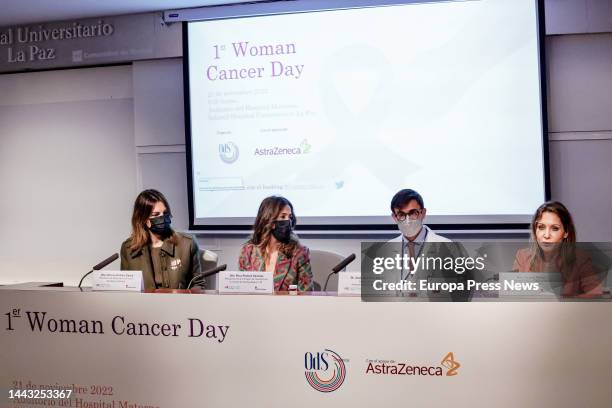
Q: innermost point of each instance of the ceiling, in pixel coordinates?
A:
(18, 12)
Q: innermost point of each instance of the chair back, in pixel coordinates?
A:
(209, 260)
(322, 263)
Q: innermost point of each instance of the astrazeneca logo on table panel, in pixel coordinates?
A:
(392, 367)
(325, 370)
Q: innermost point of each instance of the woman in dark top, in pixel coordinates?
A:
(167, 259)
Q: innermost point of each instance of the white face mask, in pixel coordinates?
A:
(410, 228)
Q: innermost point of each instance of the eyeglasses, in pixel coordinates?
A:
(412, 215)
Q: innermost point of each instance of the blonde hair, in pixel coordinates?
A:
(567, 250)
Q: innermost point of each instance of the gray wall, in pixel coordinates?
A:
(580, 126)
(68, 169)
(71, 139)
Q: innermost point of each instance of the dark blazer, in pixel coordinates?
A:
(179, 262)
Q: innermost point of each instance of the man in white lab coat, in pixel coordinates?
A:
(418, 240)
(408, 212)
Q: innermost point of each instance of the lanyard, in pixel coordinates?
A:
(416, 256)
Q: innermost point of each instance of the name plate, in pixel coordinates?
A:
(260, 283)
(349, 284)
(126, 281)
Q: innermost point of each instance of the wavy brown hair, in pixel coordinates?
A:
(143, 207)
(269, 209)
(568, 246)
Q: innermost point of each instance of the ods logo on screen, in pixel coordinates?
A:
(325, 371)
(228, 152)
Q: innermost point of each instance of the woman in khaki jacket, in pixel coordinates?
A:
(167, 259)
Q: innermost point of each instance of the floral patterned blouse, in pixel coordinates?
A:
(288, 271)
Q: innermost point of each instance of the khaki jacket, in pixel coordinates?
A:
(179, 262)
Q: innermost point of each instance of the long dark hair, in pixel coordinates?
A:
(269, 209)
(567, 249)
(143, 207)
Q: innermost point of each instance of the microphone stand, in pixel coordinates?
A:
(327, 280)
(84, 276)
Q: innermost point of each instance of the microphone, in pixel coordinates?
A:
(207, 273)
(339, 267)
(344, 263)
(100, 266)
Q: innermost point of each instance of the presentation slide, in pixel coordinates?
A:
(338, 110)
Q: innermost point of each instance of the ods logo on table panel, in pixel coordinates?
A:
(325, 370)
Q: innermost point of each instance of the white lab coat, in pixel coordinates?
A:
(431, 237)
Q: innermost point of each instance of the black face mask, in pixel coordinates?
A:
(161, 225)
(282, 231)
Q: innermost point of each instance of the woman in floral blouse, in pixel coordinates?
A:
(274, 248)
